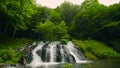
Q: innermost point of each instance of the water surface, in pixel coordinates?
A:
(93, 64)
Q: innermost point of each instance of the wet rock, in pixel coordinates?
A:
(27, 55)
(58, 54)
(71, 58)
(45, 56)
(2, 65)
(17, 65)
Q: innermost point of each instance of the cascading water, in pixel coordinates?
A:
(55, 52)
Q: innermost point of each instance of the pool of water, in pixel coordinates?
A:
(92, 64)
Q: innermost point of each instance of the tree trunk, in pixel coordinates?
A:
(14, 32)
(6, 27)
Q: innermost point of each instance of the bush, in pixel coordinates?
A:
(90, 56)
(93, 49)
(9, 56)
(9, 50)
(63, 41)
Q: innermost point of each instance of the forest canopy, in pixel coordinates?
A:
(23, 18)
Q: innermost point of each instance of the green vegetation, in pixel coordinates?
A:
(21, 19)
(96, 50)
(50, 31)
(67, 66)
(10, 49)
(9, 56)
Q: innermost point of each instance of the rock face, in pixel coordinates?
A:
(41, 52)
(27, 55)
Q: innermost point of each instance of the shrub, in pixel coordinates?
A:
(93, 49)
(9, 56)
(9, 50)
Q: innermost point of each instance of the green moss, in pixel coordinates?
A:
(93, 49)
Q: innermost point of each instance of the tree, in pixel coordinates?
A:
(41, 15)
(17, 12)
(45, 30)
(55, 16)
(90, 19)
(68, 11)
(49, 31)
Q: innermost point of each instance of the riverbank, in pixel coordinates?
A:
(95, 50)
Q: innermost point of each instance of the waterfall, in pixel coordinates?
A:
(36, 57)
(55, 52)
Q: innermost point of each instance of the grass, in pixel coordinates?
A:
(95, 50)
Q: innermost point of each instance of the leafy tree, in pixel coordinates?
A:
(55, 16)
(90, 19)
(41, 15)
(68, 11)
(17, 12)
(50, 31)
(45, 30)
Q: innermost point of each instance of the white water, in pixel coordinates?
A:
(51, 54)
(36, 58)
(62, 53)
(73, 51)
(52, 51)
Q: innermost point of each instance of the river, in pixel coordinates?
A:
(92, 64)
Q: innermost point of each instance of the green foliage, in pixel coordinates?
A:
(50, 31)
(16, 14)
(67, 66)
(45, 30)
(9, 56)
(14, 43)
(94, 49)
(10, 49)
(55, 16)
(89, 20)
(63, 41)
(68, 11)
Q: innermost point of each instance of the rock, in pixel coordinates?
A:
(17, 65)
(27, 55)
(2, 65)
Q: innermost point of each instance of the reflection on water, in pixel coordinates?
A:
(94, 64)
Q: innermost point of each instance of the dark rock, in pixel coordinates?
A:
(27, 55)
(45, 56)
(2, 65)
(58, 54)
(72, 58)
